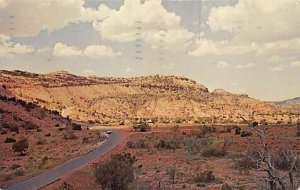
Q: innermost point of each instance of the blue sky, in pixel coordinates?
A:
(245, 46)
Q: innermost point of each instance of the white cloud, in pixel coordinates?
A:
(100, 51)
(269, 27)
(91, 51)
(206, 47)
(260, 21)
(28, 17)
(9, 49)
(248, 65)
(223, 64)
(63, 50)
(278, 68)
(138, 20)
(295, 64)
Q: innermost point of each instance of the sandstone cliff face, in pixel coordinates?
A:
(161, 98)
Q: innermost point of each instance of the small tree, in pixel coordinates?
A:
(20, 146)
(265, 159)
(117, 173)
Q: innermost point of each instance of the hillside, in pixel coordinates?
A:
(50, 138)
(162, 99)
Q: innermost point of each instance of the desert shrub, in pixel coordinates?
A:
(3, 132)
(212, 151)
(41, 141)
(14, 128)
(226, 187)
(283, 158)
(11, 99)
(29, 125)
(15, 166)
(139, 185)
(6, 125)
(66, 186)
(19, 173)
(29, 106)
(39, 130)
(20, 146)
(56, 125)
(172, 172)
(117, 173)
(142, 127)
(16, 118)
(205, 130)
(48, 135)
(43, 162)
(246, 134)
(263, 122)
(86, 140)
(101, 136)
(206, 176)
(9, 140)
(298, 130)
(237, 130)
(138, 144)
(194, 145)
(171, 144)
(76, 127)
(244, 164)
(69, 135)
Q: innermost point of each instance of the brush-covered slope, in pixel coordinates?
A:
(160, 98)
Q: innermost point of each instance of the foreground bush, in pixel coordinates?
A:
(117, 173)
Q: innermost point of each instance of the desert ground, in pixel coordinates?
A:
(154, 163)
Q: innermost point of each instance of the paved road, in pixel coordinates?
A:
(56, 173)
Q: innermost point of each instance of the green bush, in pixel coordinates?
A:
(206, 130)
(13, 128)
(19, 173)
(76, 127)
(20, 146)
(117, 173)
(205, 177)
(244, 164)
(69, 135)
(29, 125)
(171, 144)
(66, 186)
(194, 145)
(138, 144)
(9, 140)
(15, 166)
(142, 127)
(211, 151)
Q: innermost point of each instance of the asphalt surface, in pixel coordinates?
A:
(58, 172)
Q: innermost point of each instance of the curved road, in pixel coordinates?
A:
(57, 172)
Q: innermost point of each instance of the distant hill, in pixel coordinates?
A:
(289, 101)
(161, 99)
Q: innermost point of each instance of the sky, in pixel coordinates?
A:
(242, 46)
